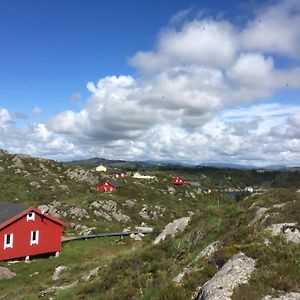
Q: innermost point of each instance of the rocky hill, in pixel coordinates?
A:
(201, 246)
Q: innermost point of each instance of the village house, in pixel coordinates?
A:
(26, 232)
(108, 186)
(178, 180)
(119, 174)
(101, 168)
(138, 175)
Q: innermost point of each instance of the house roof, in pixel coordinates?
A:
(10, 212)
(111, 182)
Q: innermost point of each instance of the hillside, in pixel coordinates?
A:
(174, 268)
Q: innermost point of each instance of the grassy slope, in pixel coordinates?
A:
(139, 270)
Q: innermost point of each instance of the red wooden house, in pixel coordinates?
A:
(27, 232)
(120, 174)
(108, 186)
(178, 180)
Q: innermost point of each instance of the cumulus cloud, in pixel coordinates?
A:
(199, 96)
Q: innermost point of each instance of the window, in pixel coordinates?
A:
(8, 240)
(34, 237)
(31, 216)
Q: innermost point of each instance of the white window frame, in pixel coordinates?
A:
(36, 241)
(10, 244)
(30, 216)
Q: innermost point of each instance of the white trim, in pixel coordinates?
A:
(31, 216)
(36, 240)
(10, 244)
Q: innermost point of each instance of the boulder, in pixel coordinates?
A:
(17, 162)
(5, 273)
(90, 275)
(118, 216)
(2, 169)
(80, 174)
(144, 229)
(209, 250)
(55, 289)
(172, 229)
(288, 296)
(102, 214)
(87, 231)
(59, 271)
(233, 273)
(287, 230)
(258, 215)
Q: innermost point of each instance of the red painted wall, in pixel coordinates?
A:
(49, 237)
(109, 188)
(178, 180)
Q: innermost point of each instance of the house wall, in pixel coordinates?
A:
(49, 237)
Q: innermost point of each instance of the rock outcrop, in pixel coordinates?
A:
(59, 271)
(80, 174)
(260, 212)
(172, 229)
(287, 230)
(5, 273)
(288, 296)
(235, 272)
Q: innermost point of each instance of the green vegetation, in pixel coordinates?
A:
(140, 270)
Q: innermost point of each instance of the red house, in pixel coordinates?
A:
(27, 232)
(178, 180)
(118, 174)
(107, 186)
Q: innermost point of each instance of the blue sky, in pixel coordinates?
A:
(92, 78)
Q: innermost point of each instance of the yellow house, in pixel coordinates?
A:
(141, 176)
(101, 169)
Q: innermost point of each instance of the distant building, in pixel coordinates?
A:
(27, 232)
(119, 174)
(138, 175)
(178, 180)
(249, 189)
(207, 190)
(108, 186)
(101, 169)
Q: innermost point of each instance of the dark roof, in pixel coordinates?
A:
(115, 183)
(9, 210)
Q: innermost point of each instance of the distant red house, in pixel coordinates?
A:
(107, 186)
(178, 180)
(28, 232)
(120, 174)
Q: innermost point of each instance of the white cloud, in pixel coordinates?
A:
(36, 112)
(200, 96)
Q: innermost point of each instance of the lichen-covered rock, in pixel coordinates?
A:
(235, 272)
(288, 296)
(90, 275)
(209, 250)
(80, 174)
(102, 214)
(59, 271)
(172, 229)
(258, 215)
(118, 216)
(78, 213)
(5, 273)
(287, 230)
(17, 162)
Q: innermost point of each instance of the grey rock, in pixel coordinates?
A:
(144, 229)
(5, 273)
(209, 250)
(129, 203)
(171, 190)
(17, 162)
(59, 271)
(102, 214)
(35, 184)
(80, 174)
(2, 169)
(287, 230)
(288, 296)
(235, 272)
(64, 188)
(77, 212)
(55, 289)
(90, 275)
(172, 229)
(87, 231)
(187, 270)
(258, 215)
(120, 217)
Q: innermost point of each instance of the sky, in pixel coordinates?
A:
(190, 81)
